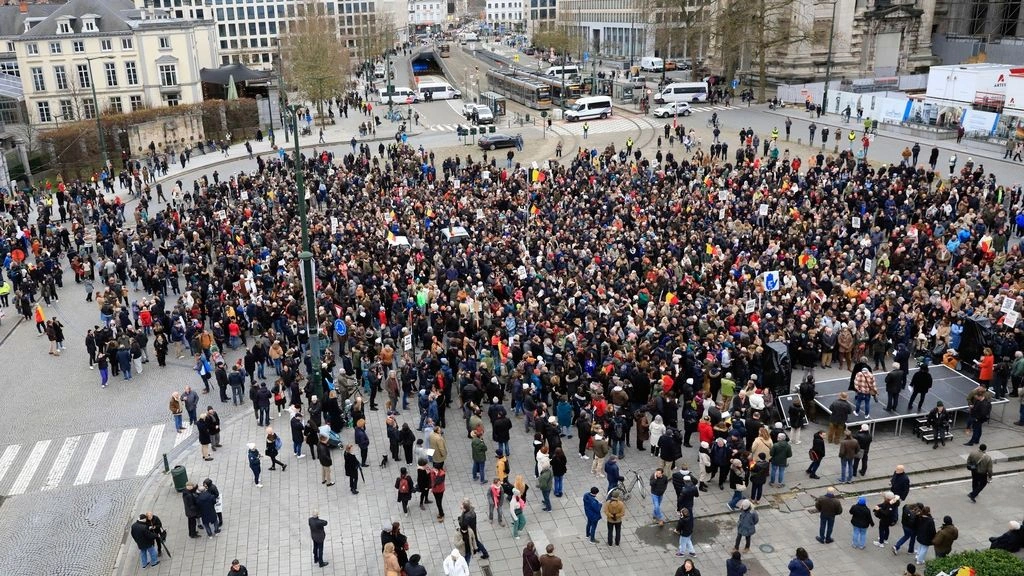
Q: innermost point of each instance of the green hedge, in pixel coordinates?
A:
(984, 562)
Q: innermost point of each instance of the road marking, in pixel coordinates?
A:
(152, 446)
(92, 458)
(8, 459)
(181, 437)
(31, 465)
(60, 463)
(121, 454)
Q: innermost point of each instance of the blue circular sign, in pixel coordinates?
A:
(340, 328)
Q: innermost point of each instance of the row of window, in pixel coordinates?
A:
(78, 46)
(505, 17)
(494, 5)
(168, 76)
(69, 110)
(287, 11)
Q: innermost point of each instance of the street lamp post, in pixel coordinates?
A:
(281, 92)
(828, 58)
(308, 271)
(96, 106)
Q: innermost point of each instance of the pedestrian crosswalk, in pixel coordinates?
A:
(608, 125)
(443, 127)
(711, 108)
(85, 459)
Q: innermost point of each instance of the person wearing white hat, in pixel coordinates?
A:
(254, 463)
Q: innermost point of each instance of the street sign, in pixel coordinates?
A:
(735, 84)
(340, 327)
(586, 56)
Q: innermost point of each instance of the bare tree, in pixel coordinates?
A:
(684, 27)
(759, 30)
(316, 61)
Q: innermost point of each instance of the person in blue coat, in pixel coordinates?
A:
(611, 471)
(801, 564)
(734, 566)
(254, 464)
(592, 508)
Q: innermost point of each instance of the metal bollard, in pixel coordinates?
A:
(167, 465)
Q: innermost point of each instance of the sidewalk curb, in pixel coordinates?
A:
(148, 496)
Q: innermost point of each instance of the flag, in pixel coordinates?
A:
(391, 236)
(709, 249)
(671, 298)
(430, 212)
(534, 210)
(391, 216)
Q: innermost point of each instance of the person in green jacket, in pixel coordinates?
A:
(479, 451)
(545, 482)
(728, 389)
(780, 453)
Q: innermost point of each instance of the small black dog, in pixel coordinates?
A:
(384, 461)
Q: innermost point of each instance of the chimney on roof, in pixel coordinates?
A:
(23, 7)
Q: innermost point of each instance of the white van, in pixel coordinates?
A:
(590, 107)
(682, 92)
(436, 91)
(652, 64)
(569, 69)
(398, 95)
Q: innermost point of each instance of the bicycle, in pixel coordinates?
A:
(623, 491)
(712, 123)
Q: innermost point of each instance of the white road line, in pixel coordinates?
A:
(152, 446)
(121, 454)
(92, 457)
(181, 437)
(61, 462)
(31, 465)
(8, 459)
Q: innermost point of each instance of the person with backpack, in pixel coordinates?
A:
(908, 520)
(887, 513)
(274, 444)
(404, 486)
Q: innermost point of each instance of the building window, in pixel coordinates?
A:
(110, 70)
(55, 48)
(165, 43)
(43, 108)
(116, 107)
(106, 45)
(78, 46)
(38, 83)
(127, 44)
(172, 99)
(9, 68)
(10, 46)
(32, 49)
(131, 73)
(168, 75)
(62, 77)
(84, 78)
(67, 110)
(90, 26)
(88, 108)
(64, 27)
(135, 102)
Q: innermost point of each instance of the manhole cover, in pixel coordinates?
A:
(766, 548)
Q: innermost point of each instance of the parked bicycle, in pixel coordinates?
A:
(629, 482)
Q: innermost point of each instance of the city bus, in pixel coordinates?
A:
(520, 88)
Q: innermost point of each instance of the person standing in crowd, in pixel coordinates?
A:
(944, 538)
(801, 564)
(887, 512)
(828, 507)
(238, 569)
(517, 512)
(861, 519)
(816, 454)
(658, 483)
(592, 511)
(684, 526)
(614, 513)
(531, 562)
(323, 454)
(318, 534)
(352, 469)
(188, 497)
(746, 525)
(908, 520)
(899, 483)
(253, 456)
(404, 486)
(145, 539)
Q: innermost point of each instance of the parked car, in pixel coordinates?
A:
(529, 51)
(494, 141)
(468, 109)
(670, 65)
(673, 109)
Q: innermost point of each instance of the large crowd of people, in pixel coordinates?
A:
(607, 295)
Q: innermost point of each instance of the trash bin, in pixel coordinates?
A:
(180, 477)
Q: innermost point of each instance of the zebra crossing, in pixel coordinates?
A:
(714, 108)
(443, 127)
(85, 459)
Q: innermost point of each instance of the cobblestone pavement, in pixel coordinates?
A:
(266, 528)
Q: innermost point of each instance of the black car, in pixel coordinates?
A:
(492, 141)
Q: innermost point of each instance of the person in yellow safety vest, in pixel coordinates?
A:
(775, 133)
(5, 291)
(851, 137)
(629, 145)
(586, 128)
